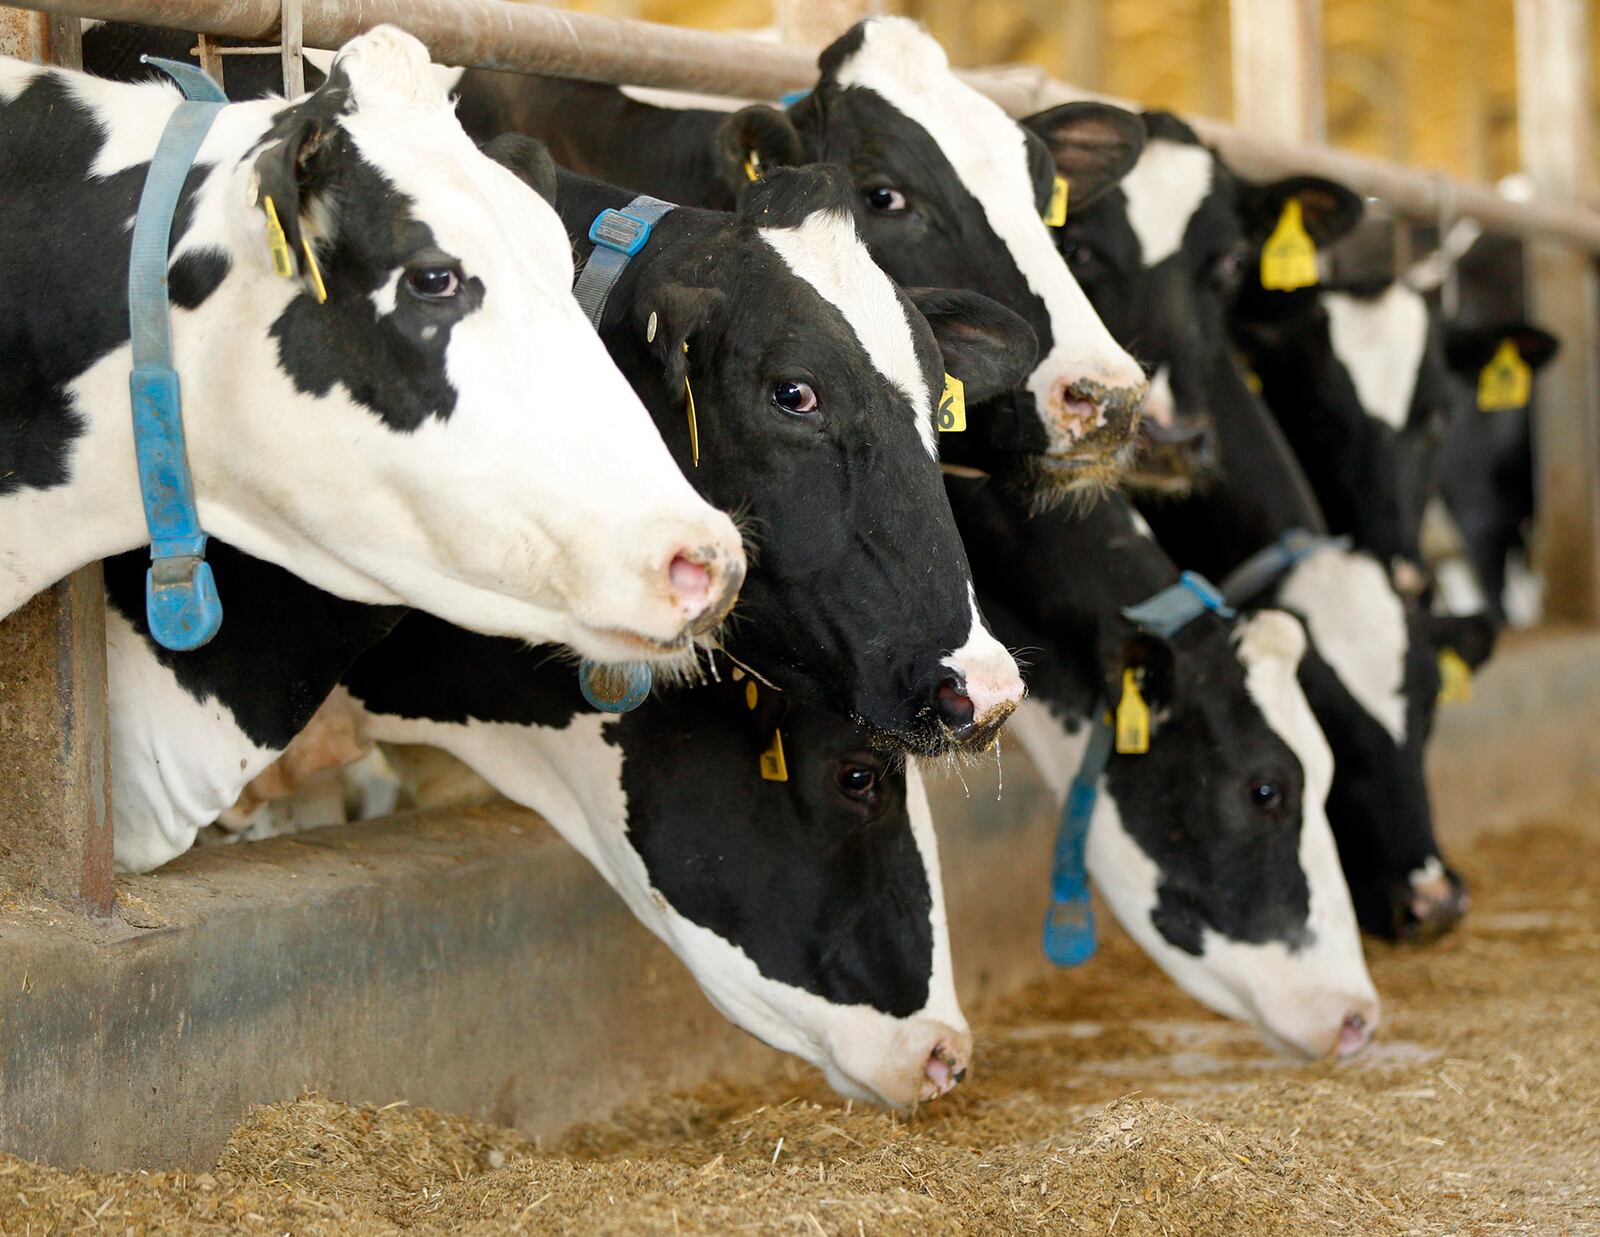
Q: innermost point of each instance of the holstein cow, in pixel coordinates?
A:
(389, 445)
(816, 422)
(1371, 671)
(1487, 471)
(952, 193)
(1213, 847)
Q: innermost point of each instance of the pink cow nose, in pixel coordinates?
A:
(704, 586)
(690, 580)
(943, 1070)
(1354, 1033)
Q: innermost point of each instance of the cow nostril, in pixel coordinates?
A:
(943, 1071)
(956, 709)
(691, 581)
(1354, 1032)
(1080, 412)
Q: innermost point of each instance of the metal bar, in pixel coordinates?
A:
(525, 38)
(1277, 67)
(1553, 122)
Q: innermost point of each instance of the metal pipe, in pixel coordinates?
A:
(525, 38)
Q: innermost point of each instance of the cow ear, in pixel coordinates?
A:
(1094, 145)
(754, 140)
(293, 163)
(528, 160)
(1470, 637)
(668, 318)
(989, 348)
(1467, 349)
(1328, 209)
(1154, 663)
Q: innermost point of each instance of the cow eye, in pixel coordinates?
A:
(433, 283)
(1266, 796)
(795, 397)
(886, 200)
(857, 781)
(1081, 256)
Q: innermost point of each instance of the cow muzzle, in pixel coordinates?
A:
(1429, 905)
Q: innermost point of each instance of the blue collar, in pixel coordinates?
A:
(181, 603)
(1069, 931)
(617, 236)
(1262, 569)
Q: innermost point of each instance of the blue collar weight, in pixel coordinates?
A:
(1069, 929)
(617, 236)
(181, 603)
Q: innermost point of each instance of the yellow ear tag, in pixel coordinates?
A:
(318, 288)
(953, 406)
(773, 768)
(1056, 214)
(750, 694)
(1133, 717)
(1455, 678)
(1289, 258)
(282, 255)
(1506, 382)
(752, 167)
(694, 426)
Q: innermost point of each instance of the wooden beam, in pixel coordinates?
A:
(816, 23)
(1277, 68)
(1553, 128)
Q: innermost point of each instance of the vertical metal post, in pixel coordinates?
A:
(1553, 126)
(816, 23)
(1083, 30)
(55, 780)
(1277, 68)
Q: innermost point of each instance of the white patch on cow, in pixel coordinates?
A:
(15, 77)
(1160, 405)
(383, 296)
(826, 252)
(1358, 624)
(993, 682)
(906, 67)
(1164, 189)
(1524, 592)
(1460, 591)
(1430, 873)
(1140, 524)
(573, 778)
(451, 517)
(177, 763)
(1380, 341)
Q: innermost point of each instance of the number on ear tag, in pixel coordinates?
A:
(773, 769)
(752, 166)
(1133, 717)
(1289, 258)
(694, 426)
(953, 406)
(282, 255)
(1506, 382)
(1455, 678)
(1056, 214)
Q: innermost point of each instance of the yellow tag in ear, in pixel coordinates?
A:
(953, 406)
(318, 288)
(282, 255)
(750, 694)
(694, 426)
(752, 166)
(1056, 214)
(1506, 382)
(1289, 258)
(773, 768)
(1133, 717)
(1455, 678)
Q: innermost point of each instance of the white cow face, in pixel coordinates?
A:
(445, 430)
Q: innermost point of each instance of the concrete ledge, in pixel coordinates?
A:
(470, 961)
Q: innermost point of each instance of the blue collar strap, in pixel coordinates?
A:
(617, 236)
(181, 603)
(1262, 569)
(1069, 931)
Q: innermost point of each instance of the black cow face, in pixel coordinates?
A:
(952, 194)
(1160, 256)
(815, 383)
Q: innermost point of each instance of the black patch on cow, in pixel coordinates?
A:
(65, 303)
(280, 651)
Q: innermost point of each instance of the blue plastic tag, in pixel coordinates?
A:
(614, 688)
(1069, 931)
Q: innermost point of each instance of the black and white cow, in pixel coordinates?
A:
(952, 191)
(1486, 477)
(1213, 848)
(390, 445)
(809, 910)
(1371, 672)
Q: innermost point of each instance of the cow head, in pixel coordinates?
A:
(425, 417)
(952, 192)
(815, 383)
(1373, 680)
(1160, 255)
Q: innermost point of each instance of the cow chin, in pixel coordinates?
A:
(1075, 481)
